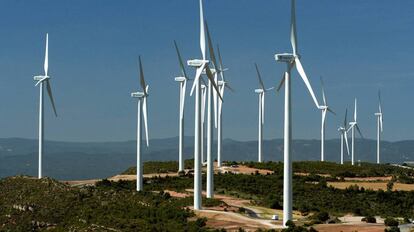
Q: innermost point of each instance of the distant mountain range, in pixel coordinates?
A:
(78, 160)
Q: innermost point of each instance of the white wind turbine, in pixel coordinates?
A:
(201, 65)
(379, 126)
(292, 60)
(325, 108)
(39, 81)
(343, 130)
(211, 96)
(222, 84)
(183, 85)
(142, 108)
(261, 92)
(352, 126)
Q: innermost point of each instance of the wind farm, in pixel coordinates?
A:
(203, 154)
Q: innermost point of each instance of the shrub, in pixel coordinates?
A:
(321, 216)
(391, 222)
(369, 219)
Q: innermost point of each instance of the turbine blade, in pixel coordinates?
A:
(211, 49)
(346, 141)
(141, 74)
(379, 102)
(323, 93)
(220, 104)
(197, 77)
(329, 109)
(259, 77)
(46, 64)
(202, 32)
(282, 81)
(381, 122)
(49, 91)
(323, 117)
(183, 72)
(305, 79)
(359, 131)
(229, 87)
(355, 110)
(293, 39)
(221, 63)
(345, 120)
(183, 87)
(211, 78)
(145, 114)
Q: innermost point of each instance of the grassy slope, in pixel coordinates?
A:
(29, 204)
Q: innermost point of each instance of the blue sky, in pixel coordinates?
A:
(357, 46)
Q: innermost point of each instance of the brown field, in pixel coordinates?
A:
(350, 228)
(373, 178)
(372, 185)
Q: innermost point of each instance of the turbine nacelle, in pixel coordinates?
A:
(213, 71)
(378, 114)
(40, 78)
(196, 62)
(259, 91)
(221, 83)
(286, 57)
(323, 107)
(138, 95)
(180, 79)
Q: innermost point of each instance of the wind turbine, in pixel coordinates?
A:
(142, 108)
(222, 84)
(352, 126)
(291, 60)
(182, 80)
(39, 81)
(201, 65)
(261, 91)
(343, 130)
(379, 126)
(325, 108)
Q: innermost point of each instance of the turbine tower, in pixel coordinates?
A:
(201, 65)
(352, 126)
(142, 108)
(261, 92)
(379, 126)
(325, 108)
(39, 81)
(182, 80)
(222, 84)
(292, 60)
(343, 130)
(203, 125)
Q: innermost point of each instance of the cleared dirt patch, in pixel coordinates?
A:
(233, 221)
(350, 228)
(241, 169)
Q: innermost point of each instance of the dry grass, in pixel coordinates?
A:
(350, 228)
(372, 185)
